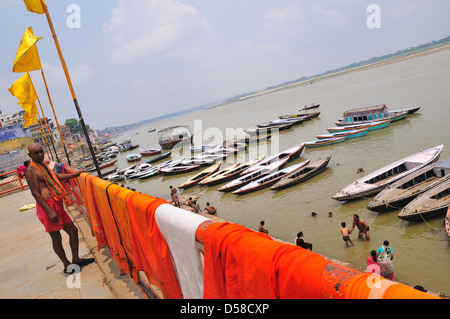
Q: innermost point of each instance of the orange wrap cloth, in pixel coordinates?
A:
(243, 264)
(95, 220)
(110, 225)
(57, 190)
(151, 252)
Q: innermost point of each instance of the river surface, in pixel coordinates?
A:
(422, 256)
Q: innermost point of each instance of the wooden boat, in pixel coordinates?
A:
(313, 106)
(204, 160)
(230, 172)
(149, 151)
(133, 157)
(175, 136)
(325, 142)
(291, 153)
(346, 134)
(259, 172)
(115, 177)
(133, 146)
(234, 144)
(409, 110)
(447, 222)
(370, 126)
(273, 125)
(201, 148)
(155, 169)
(151, 130)
(294, 121)
(376, 181)
(434, 202)
(302, 175)
(104, 165)
(269, 179)
(194, 180)
(403, 191)
(393, 117)
(179, 169)
(252, 131)
(304, 116)
(158, 157)
(365, 115)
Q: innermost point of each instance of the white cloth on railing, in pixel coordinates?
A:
(178, 227)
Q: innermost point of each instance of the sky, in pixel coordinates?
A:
(132, 60)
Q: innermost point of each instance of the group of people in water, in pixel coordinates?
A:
(195, 207)
(379, 261)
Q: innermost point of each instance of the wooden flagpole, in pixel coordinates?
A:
(54, 114)
(69, 82)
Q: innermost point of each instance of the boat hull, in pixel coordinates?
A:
(379, 179)
(286, 182)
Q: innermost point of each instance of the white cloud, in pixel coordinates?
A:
(332, 17)
(141, 28)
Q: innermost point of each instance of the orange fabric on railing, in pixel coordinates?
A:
(99, 187)
(358, 287)
(119, 198)
(92, 210)
(406, 292)
(298, 273)
(151, 252)
(241, 263)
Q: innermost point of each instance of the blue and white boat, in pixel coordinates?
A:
(346, 134)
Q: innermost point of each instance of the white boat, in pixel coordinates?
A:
(194, 180)
(292, 153)
(433, 202)
(230, 172)
(269, 179)
(259, 172)
(376, 181)
(346, 134)
(133, 157)
(403, 191)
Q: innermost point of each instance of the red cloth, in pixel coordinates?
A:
(151, 252)
(241, 263)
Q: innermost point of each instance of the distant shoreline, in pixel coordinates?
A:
(338, 74)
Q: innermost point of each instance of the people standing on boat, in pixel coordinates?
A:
(345, 234)
(50, 195)
(385, 255)
(210, 209)
(174, 195)
(299, 241)
(362, 227)
(261, 228)
(372, 263)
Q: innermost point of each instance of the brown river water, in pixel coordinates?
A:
(422, 256)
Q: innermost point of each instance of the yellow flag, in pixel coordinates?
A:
(23, 90)
(27, 56)
(34, 6)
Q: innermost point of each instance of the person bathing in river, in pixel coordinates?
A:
(362, 227)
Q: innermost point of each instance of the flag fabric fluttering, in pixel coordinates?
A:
(34, 6)
(23, 90)
(27, 56)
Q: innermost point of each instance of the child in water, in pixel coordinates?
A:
(345, 234)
